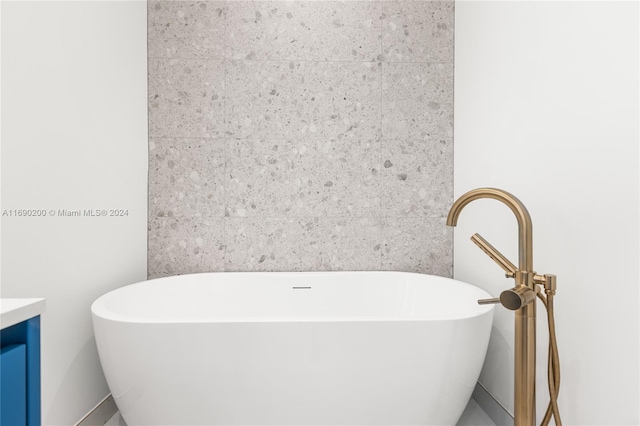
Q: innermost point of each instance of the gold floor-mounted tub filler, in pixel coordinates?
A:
(522, 300)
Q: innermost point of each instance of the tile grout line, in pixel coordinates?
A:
(312, 216)
(163, 58)
(382, 220)
(453, 142)
(290, 139)
(226, 130)
(148, 144)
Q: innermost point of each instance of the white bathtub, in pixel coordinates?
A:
(323, 348)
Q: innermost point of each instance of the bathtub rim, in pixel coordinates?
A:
(100, 311)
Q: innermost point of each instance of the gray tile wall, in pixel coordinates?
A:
(300, 135)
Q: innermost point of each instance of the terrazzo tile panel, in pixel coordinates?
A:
(185, 245)
(417, 32)
(186, 177)
(303, 30)
(416, 177)
(186, 29)
(282, 178)
(292, 99)
(318, 244)
(417, 245)
(186, 98)
(417, 100)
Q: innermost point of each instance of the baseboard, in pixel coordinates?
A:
(496, 411)
(107, 408)
(100, 414)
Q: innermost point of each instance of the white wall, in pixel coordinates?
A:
(546, 107)
(74, 136)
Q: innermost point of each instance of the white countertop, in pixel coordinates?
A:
(13, 311)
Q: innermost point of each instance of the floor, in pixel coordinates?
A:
(116, 420)
(473, 416)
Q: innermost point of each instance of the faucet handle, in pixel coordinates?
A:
(512, 299)
(495, 255)
(489, 301)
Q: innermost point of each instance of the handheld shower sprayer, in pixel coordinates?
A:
(521, 299)
(511, 299)
(493, 253)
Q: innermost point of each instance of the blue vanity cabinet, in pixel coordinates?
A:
(13, 385)
(20, 374)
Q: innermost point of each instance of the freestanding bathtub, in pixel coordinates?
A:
(321, 348)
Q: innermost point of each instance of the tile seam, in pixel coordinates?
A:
(296, 60)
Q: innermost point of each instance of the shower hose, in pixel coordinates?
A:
(553, 365)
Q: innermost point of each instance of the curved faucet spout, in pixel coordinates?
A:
(525, 227)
